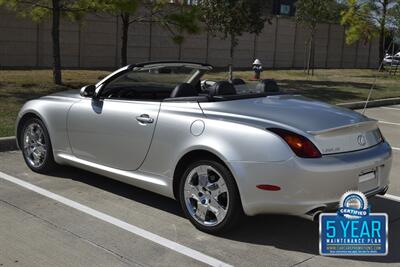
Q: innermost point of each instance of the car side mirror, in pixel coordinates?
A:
(88, 90)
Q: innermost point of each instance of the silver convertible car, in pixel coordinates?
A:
(222, 149)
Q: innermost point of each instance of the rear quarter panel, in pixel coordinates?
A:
(229, 140)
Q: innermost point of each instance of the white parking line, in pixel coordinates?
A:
(390, 108)
(121, 224)
(396, 148)
(388, 122)
(391, 197)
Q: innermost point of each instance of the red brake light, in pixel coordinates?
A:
(300, 145)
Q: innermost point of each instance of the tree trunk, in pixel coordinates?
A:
(312, 56)
(311, 52)
(391, 63)
(124, 45)
(180, 30)
(55, 35)
(382, 32)
(305, 57)
(232, 51)
(309, 56)
(381, 44)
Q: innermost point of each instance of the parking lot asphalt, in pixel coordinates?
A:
(39, 230)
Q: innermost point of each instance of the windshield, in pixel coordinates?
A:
(160, 76)
(152, 82)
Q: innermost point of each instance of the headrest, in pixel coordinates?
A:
(222, 88)
(237, 81)
(184, 90)
(267, 86)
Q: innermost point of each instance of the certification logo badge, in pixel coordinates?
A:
(353, 230)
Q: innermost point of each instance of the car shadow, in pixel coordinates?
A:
(328, 91)
(298, 234)
(121, 189)
(283, 232)
(309, 84)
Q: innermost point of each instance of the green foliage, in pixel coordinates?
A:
(358, 26)
(39, 10)
(181, 20)
(174, 17)
(178, 39)
(234, 17)
(395, 14)
(118, 6)
(312, 12)
(367, 19)
(185, 20)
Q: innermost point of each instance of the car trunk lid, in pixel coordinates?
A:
(351, 137)
(332, 129)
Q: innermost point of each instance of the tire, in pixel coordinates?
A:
(219, 201)
(36, 147)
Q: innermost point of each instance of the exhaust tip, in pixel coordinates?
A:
(316, 216)
(383, 192)
(313, 215)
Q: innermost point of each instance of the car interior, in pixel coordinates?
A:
(160, 87)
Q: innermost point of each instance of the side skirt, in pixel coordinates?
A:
(158, 184)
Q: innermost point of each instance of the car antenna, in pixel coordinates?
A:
(374, 83)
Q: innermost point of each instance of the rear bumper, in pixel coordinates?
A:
(310, 184)
(332, 207)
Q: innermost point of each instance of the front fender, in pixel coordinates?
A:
(53, 113)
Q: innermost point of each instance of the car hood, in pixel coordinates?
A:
(290, 110)
(74, 93)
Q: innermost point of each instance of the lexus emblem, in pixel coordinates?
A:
(361, 140)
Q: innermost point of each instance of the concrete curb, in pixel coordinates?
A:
(8, 144)
(371, 104)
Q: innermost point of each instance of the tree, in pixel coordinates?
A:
(232, 18)
(395, 15)
(39, 10)
(395, 33)
(367, 18)
(310, 13)
(176, 18)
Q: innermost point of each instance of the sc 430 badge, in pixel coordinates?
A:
(353, 230)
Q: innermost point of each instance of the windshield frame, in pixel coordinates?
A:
(201, 69)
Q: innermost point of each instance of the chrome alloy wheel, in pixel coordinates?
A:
(206, 195)
(34, 145)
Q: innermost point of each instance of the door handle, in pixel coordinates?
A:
(144, 118)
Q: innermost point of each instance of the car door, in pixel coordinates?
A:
(114, 126)
(111, 132)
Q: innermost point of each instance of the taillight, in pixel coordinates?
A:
(379, 136)
(300, 145)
